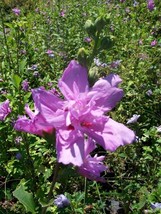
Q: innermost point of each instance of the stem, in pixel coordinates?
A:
(55, 171)
(85, 191)
(100, 197)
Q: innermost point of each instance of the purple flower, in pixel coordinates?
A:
(62, 13)
(149, 92)
(92, 166)
(25, 85)
(150, 5)
(33, 67)
(115, 64)
(16, 11)
(18, 156)
(87, 39)
(61, 201)
(82, 113)
(35, 124)
(18, 140)
(99, 63)
(4, 109)
(153, 43)
(133, 119)
(155, 206)
(50, 53)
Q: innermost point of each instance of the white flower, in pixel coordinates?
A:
(158, 128)
(133, 119)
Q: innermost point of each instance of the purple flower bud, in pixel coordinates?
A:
(16, 11)
(25, 85)
(151, 5)
(61, 201)
(18, 156)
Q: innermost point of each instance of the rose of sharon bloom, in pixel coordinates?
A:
(82, 113)
(92, 166)
(4, 109)
(34, 125)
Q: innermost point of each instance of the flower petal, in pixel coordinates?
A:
(74, 78)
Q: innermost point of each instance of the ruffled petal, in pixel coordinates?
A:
(105, 92)
(114, 135)
(74, 80)
(72, 154)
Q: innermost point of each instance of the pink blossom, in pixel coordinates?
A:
(16, 11)
(92, 166)
(4, 109)
(153, 43)
(82, 113)
(35, 124)
(62, 13)
(150, 5)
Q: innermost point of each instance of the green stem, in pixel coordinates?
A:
(98, 192)
(55, 170)
(85, 191)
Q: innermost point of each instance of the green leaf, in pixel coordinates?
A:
(16, 80)
(25, 198)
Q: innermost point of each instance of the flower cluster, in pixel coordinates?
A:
(78, 119)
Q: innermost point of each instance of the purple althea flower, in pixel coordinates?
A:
(4, 109)
(35, 125)
(82, 113)
(155, 205)
(150, 5)
(153, 43)
(92, 166)
(133, 119)
(61, 201)
(25, 85)
(16, 11)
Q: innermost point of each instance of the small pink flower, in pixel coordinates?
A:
(16, 11)
(150, 5)
(62, 13)
(4, 109)
(153, 43)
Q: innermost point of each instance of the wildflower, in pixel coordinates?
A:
(158, 129)
(62, 13)
(33, 67)
(156, 205)
(4, 110)
(16, 11)
(115, 64)
(150, 5)
(99, 63)
(61, 201)
(82, 113)
(50, 53)
(18, 156)
(36, 74)
(149, 92)
(18, 140)
(153, 43)
(25, 85)
(87, 39)
(133, 119)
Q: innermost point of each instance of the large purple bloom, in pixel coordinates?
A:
(4, 109)
(82, 113)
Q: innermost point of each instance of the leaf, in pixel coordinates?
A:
(16, 80)
(25, 198)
